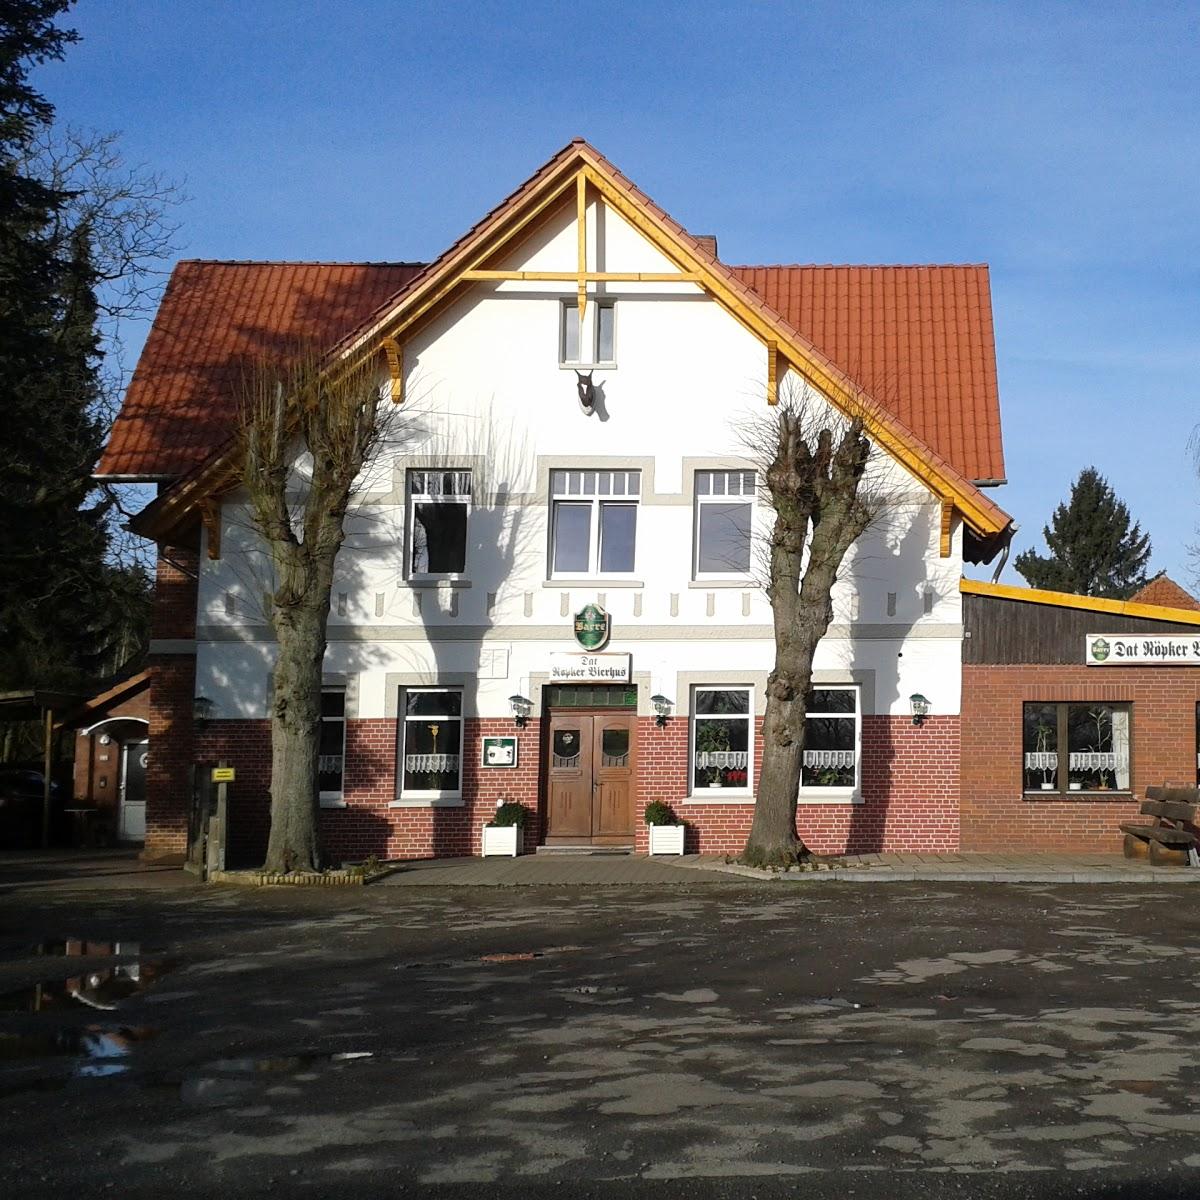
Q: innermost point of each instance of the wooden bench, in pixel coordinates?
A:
(1171, 834)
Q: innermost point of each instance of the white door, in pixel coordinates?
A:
(132, 825)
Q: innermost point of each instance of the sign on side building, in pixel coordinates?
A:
(1123, 650)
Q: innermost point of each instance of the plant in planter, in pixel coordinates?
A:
(1043, 747)
(666, 830)
(502, 834)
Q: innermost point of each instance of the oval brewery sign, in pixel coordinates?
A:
(592, 627)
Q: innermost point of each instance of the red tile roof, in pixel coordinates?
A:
(1162, 589)
(214, 318)
(919, 339)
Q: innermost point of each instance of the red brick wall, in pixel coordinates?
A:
(909, 784)
(910, 792)
(367, 825)
(996, 815)
(172, 689)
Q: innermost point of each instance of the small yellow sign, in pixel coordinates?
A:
(222, 774)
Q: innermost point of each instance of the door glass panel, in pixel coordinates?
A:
(614, 748)
(565, 750)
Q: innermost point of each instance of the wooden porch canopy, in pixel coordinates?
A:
(38, 704)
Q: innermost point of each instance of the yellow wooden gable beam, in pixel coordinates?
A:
(1095, 604)
(796, 354)
(210, 517)
(395, 361)
(946, 538)
(581, 242)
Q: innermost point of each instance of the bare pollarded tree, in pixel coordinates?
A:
(307, 438)
(813, 462)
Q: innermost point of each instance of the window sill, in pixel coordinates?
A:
(429, 802)
(829, 796)
(729, 797)
(596, 581)
(1108, 794)
(712, 584)
(333, 802)
(582, 366)
(438, 582)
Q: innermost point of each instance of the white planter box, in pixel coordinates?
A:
(502, 840)
(666, 839)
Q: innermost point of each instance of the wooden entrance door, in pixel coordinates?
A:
(591, 766)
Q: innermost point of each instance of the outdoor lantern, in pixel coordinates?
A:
(662, 706)
(522, 706)
(202, 711)
(920, 708)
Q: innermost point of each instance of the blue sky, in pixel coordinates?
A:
(1058, 142)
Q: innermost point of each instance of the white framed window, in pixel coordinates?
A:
(722, 741)
(593, 522)
(831, 764)
(598, 333)
(430, 738)
(722, 526)
(439, 513)
(331, 751)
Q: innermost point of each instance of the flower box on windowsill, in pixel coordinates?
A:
(502, 841)
(666, 839)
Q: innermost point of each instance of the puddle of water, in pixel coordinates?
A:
(103, 988)
(100, 1050)
(496, 957)
(88, 948)
(230, 1080)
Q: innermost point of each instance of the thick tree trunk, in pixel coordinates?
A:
(814, 487)
(295, 739)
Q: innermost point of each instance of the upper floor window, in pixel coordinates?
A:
(439, 505)
(832, 739)
(331, 760)
(598, 334)
(593, 522)
(724, 512)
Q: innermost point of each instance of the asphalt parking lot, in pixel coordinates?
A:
(711, 1038)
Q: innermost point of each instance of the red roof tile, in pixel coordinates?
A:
(214, 318)
(1162, 589)
(918, 339)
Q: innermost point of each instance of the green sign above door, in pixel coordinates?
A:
(592, 627)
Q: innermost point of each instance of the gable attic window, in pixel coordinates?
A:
(598, 334)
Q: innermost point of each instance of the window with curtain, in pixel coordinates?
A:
(1096, 737)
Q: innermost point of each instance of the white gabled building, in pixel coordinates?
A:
(514, 497)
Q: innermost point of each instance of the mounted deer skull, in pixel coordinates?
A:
(586, 390)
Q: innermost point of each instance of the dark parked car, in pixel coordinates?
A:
(21, 792)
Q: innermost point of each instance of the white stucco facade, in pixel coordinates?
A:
(485, 391)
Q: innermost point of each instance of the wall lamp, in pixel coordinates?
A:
(920, 708)
(522, 706)
(202, 711)
(662, 706)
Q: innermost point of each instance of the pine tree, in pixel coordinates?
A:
(59, 625)
(1095, 549)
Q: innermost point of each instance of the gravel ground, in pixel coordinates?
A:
(704, 1039)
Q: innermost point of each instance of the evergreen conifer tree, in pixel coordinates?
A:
(1095, 547)
(58, 624)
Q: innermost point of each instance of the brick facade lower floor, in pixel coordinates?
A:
(998, 815)
(909, 792)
